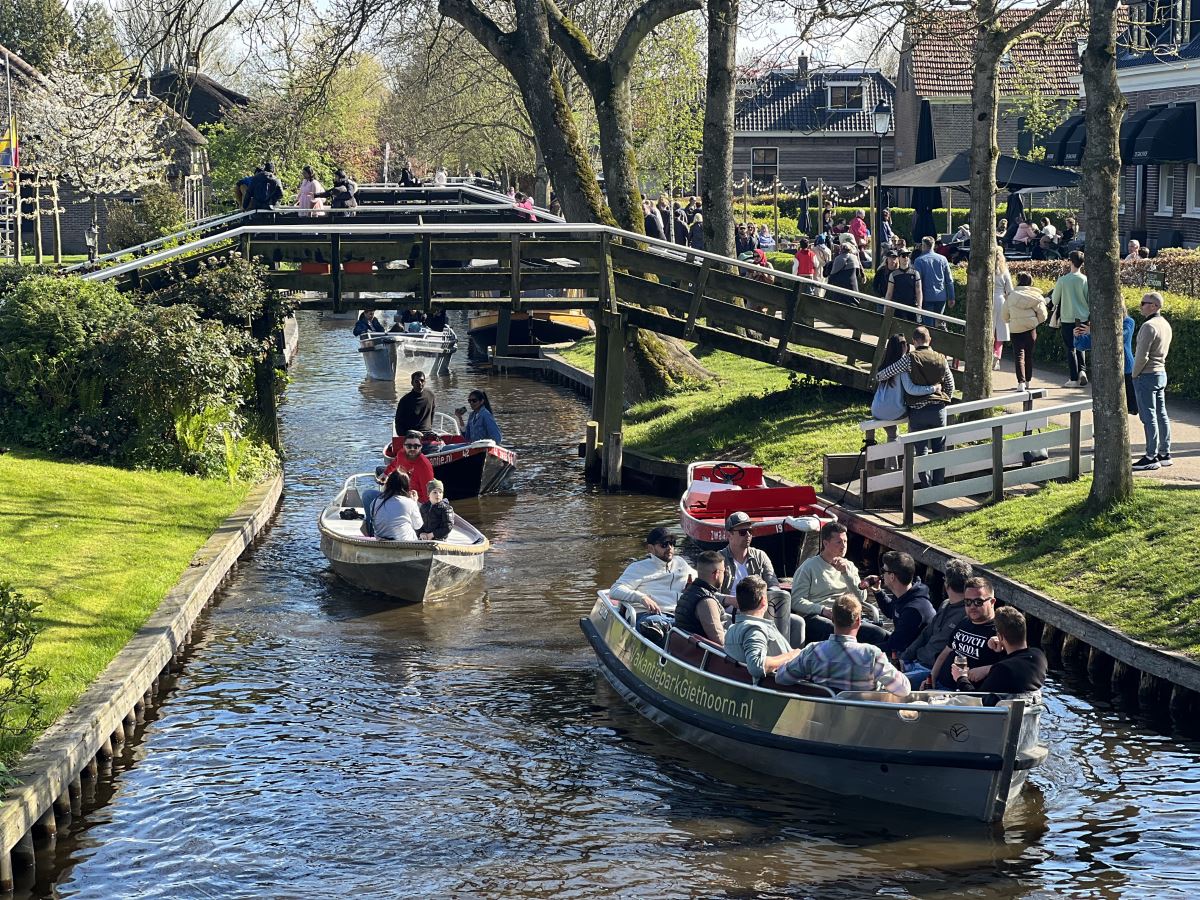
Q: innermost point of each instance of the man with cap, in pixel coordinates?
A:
(891, 260)
(414, 462)
(904, 285)
(653, 584)
(742, 560)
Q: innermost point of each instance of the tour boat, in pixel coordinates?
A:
(381, 350)
(535, 326)
(413, 571)
(465, 469)
(782, 516)
(938, 751)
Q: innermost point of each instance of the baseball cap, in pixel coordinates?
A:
(891, 254)
(738, 521)
(659, 535)
(904, 251)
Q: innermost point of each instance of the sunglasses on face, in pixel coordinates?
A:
(665, 544)
(981, 601)
(412, 446)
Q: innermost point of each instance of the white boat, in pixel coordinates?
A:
(381, 350)
(934, 750)
(413, 571)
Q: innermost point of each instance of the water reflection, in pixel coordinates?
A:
(327, 742)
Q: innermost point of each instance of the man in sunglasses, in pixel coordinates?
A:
(415, 463)
(975, 640)
(653, 584)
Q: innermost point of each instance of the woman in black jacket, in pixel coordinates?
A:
(696, 232)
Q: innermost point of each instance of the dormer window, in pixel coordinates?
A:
(847, 95)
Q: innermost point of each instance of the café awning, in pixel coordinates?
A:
(1131, 127)
(954, 171)
(1167, 137)
(1056, 143)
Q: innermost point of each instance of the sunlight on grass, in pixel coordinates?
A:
(99, 548)
(1136, 568)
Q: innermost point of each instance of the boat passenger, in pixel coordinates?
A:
(653, 584)
(480, 425)
(840, 662)
(823, 578)
(393, 515)
(416, 408)
(742, 561)
(903, 597)
(367, 322)
(700, 609)
(753, 639)
(1022, 670)
(918, 658)
(437, 515)
(971, 639)
(414, 463)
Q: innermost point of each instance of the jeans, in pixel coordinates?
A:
(933, 306)
(932, 415)
(1023, 355)
(369, 496)
(1151, 390)
(916, 673)
(779, 611)
(1074, 357)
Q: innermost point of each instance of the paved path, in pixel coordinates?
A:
(1185, 417)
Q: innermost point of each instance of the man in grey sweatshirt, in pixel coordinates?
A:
(1150, 383)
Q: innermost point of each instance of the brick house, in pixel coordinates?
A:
(794, 123)
(1158, 70)
(187, 172)
(936, 63)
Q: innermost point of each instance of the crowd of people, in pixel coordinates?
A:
(834, 626)
(263, 190)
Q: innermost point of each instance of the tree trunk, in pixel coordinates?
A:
(1112, 480)
(977, 379)
(717, 192)
(615, 121)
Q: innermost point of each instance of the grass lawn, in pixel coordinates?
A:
(98, 547)
(581, 354)
(68, 259)
(1136, 568)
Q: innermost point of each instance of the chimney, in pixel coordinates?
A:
(802, 69)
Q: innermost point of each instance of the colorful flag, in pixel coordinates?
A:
(10, 151)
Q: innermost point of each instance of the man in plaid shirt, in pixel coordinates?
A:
(840, 662)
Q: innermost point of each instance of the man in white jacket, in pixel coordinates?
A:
(653, 584)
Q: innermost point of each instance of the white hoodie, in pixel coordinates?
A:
(652, 577)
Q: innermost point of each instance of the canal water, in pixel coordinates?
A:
(320, 742)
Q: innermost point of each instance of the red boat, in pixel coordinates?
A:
(782, 516)
(467, 470)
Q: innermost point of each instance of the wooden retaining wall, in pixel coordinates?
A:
(49, 777)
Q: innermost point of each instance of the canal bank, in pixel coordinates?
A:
(48, 778)
(1156, 681)
(318, 736)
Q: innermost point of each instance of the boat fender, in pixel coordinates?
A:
(803, 523)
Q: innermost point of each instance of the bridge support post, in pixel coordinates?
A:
(503, 330)
(335, 271)
(610, 391)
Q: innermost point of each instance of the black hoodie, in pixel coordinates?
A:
(910, 612)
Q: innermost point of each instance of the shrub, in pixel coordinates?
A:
(20, 705)
(158, 213)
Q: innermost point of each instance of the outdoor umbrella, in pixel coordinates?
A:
(1013, 175)
(924, 199)
(803, 217)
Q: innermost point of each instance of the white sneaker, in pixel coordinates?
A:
(1022, 386)
(1070, 384)
(1083, 379)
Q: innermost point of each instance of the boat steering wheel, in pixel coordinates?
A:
(729, 472)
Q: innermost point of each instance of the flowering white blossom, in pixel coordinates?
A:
(91, 130)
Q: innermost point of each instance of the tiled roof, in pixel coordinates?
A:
(16, 64)
(207, 101)
(943, 55)
(783, 101)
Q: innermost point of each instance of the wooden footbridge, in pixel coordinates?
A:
(464, 247)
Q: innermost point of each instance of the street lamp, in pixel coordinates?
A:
(881, 122)
(91, 238)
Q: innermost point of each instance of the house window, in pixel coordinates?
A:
(764, 165)
(846, 96)
(1193, 189)
(1166, 189)
(866, 163)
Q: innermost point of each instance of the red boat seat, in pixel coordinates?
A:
(722, 665)
(756, 501)
(681, 645)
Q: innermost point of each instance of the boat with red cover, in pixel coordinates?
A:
(467, 469)
(782, 516)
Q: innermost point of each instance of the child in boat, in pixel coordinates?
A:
(437, 514)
